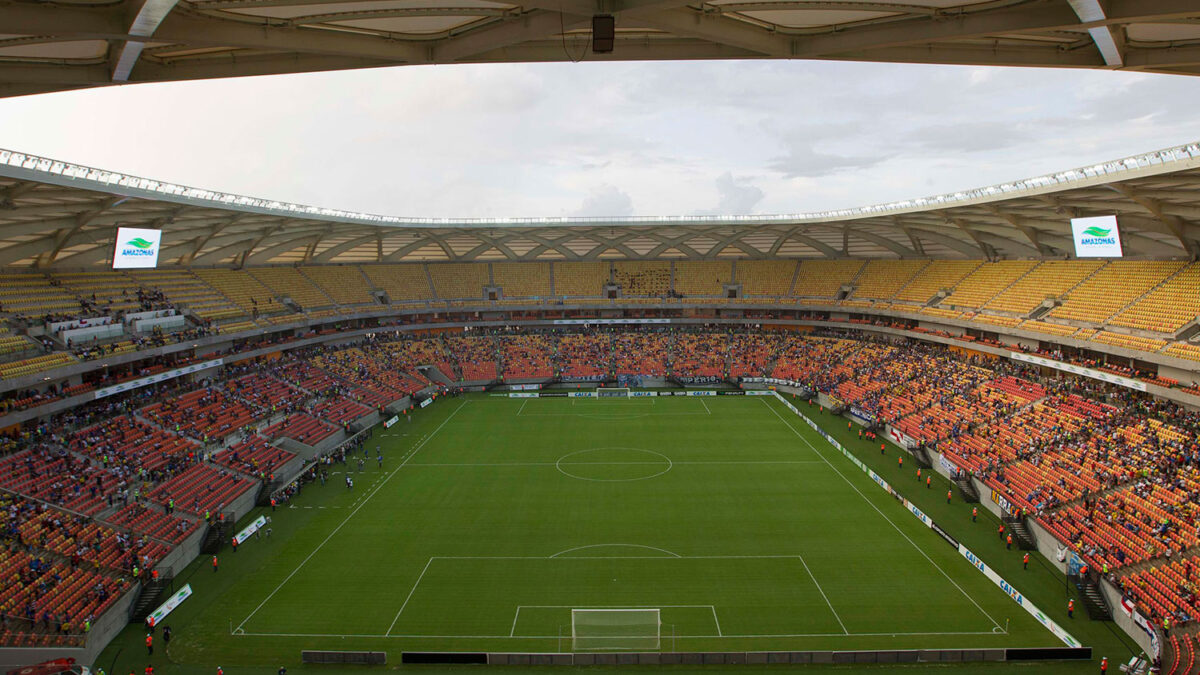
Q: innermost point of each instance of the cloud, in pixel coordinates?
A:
(969, 136)
(537, 139)
(606, 200)
(802, 161)
(734, 196)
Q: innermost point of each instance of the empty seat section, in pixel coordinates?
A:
(522, 280)
(1113, 287)
(345, 284)
(986, 282)
(769, 278)
(823, 278)
(580, 279)
(288, 282)
(1049, 280)
(703, 278)
(939, 275)
(883, 279)
(1167, 308)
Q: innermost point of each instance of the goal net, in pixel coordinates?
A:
(597, 629)
(613, 393)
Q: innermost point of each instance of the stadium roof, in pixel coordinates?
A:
(56, 214)
(71, 44)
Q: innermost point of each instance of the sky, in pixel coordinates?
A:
(610, 139)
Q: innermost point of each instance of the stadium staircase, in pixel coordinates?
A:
(434, 373)
(1093, 599)
(922, 457)
(265, 490)
(152, 595)
(967, 488)
(218, 533)
(1016, 526)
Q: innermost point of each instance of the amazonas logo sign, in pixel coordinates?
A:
(1096, 237)
(136, 248)
(140, 247)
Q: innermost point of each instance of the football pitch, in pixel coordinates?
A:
(493, 518)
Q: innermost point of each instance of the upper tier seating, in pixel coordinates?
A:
(986, 282)
(702, 277)
(185, 290)
(1167, 308)
(643, 277)
(402, 283)
(105, 292)
(345, 284)
(1050, 279)
(939, 275)
(769, 278)
(459, 280)
(288, 282)
(823, 278)
(580, 279)
(33, 296)
(883, 279)
(245, 291)
(522, 280)
(1119, 283)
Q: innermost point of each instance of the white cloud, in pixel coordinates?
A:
(606, 200)
(538, 139)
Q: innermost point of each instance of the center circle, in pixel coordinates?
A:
(613, 464)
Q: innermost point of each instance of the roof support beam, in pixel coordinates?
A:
(823, 248)
(1174, 223)
(1090, 11)
(143, 25)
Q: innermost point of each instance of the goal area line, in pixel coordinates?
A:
(725, 636)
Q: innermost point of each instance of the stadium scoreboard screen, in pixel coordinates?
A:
(136, 248)
(1096, 237)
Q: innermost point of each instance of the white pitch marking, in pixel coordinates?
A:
(555, 637)
(822, 592)
(580, 548)
(881, 513)
(351, 514)
(410, 594)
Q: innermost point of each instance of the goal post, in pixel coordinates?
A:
(615, 629)
(613, 392)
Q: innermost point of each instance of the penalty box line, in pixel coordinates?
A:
(845, 632)
(517, 614)
(883, 515)
(412, 453)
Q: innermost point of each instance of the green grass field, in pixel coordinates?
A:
(493, 517)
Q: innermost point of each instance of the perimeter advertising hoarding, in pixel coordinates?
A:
(136, 248)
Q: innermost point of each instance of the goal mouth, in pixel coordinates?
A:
(609, 629)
